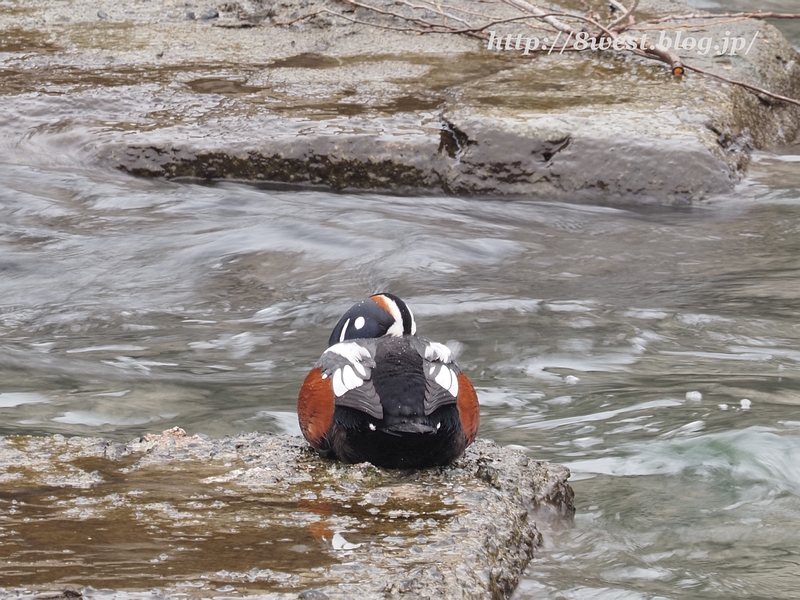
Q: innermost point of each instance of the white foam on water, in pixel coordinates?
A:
(263, 365)
(95, 419)
(126, 362)
(600, 416)
(568, 306)
(138, 327)
(628, 573)
(754, 454)
(431, 306)
(285, 421)
(747, 356)
(701, 319)
(111, 348)
(12, 399)
(506, 397)
(560, 400)
(581, 362)
(238, 345)
(767, 351)
(642, 313)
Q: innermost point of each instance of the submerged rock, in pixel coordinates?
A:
(258, 514)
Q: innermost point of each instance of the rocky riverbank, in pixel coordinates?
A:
(252, 91)
(260, 514)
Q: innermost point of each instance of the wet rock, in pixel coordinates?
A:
(251, 91)
(262, 514)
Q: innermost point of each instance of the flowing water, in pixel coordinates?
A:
(655, 352)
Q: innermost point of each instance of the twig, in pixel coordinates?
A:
(492, 24)
(558, 21)
(618, 5)
(664, 55)
(653, 50)
(422, 22)
(439, 11)
(548, 18)
(645, 27)
(747, 86)
(352, 20)
(750, 15)
(300, 18)
(626, 15)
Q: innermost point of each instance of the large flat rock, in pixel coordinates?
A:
(172, 515)
(223, 90)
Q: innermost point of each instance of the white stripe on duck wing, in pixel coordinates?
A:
(349, 366)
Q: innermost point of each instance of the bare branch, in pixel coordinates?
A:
(537, 12)
(741, 15)
(626, 16)
(747, 86)
(618, 5)
(416, 20)
(664, 55)
(300, 18)
(352, 20)
(438, 11)
(652, 50)
(436, 21)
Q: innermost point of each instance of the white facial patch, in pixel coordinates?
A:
(396, 330)
(413, 322)
(359, 323)
(344, 330)
(394, 310)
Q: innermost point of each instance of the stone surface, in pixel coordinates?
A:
(259, 514)
(212, 90)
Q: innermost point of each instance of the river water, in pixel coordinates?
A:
(655, 352)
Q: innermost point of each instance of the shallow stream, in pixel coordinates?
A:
(656, 352)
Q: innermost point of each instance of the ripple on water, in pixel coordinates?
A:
(714, 514)
(754, 454)
(128, 306)
(12, 399)
(95, 419)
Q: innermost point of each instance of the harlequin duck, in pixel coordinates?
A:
(382, 394)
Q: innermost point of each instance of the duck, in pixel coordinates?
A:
(384, 395)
